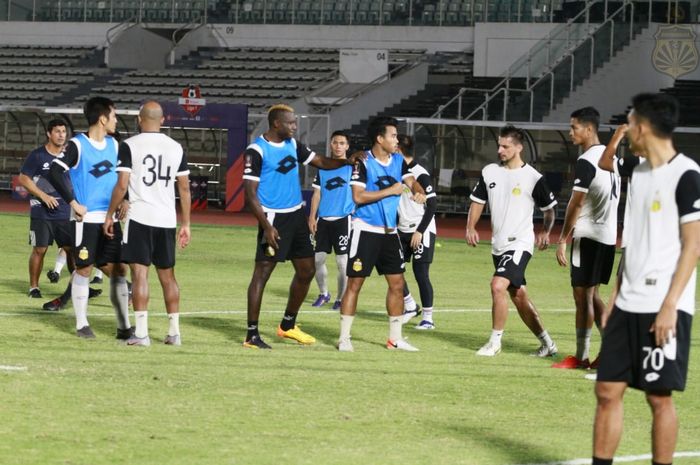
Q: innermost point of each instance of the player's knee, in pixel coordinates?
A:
(607, 396)
(39, 251)
(659, 400)
(499, 286)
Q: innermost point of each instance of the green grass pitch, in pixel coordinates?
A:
(212, 402)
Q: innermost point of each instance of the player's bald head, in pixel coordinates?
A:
(151, 111)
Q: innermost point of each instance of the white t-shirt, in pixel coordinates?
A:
(154, 161)
(598, 217)
(512, 195)
(411, 213)
(661, 200)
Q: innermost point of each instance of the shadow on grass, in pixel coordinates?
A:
(231, 329)
(516, 451)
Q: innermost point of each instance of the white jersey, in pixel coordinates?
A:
(411, 213)
(512, 195)
(154, 161)
(661, 200)
(598, 217)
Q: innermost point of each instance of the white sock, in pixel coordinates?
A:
(174, 321)
(342, 262)
(409, 304)
(346, 326)
(395, 324)
(98, 273)
(544, 338)
(321, 272)
(141, 317)
(80, 289)
(496, 335)
(583, 343)
(60, 262)
(428, 314)
(119, 295)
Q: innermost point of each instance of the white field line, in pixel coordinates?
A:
(12, 368)
(626, 458)
(306, 313)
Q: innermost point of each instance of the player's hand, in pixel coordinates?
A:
(620, 133)
(416, 239)
(271, 236)
(108, 227)
(664, 326)
(561, 254)
(184, 236)
(78, 210)
(313, 225)
(122, 210)
(605, 314)
(50, 201)
(419, 198)
(543, 240)
(396, 189)
(472, 237)
(357, 156)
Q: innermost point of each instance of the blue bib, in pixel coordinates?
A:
(383, 212)
(336, 194)
(94, 177)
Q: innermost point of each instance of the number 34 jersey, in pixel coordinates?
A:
(154, 161)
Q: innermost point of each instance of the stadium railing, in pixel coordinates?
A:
(330, 12)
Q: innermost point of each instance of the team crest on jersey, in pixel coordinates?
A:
(517, 191)
(656, 203)
(83, 254)
(357, 265)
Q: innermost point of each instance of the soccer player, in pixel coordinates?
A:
(646, 342)
(91, 159)
(512, 189)
(273, 194)
(49, 213)
(592, 215)
(332, 203)
(150, 164)
(417, 232)
(374, 242)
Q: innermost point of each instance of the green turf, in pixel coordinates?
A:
(213, 402)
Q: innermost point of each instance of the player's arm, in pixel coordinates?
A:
(70, 158)
(408, 178)
(118, 193)
(358, 183)
(478, 197)
(184, 235)
(251, 182)
(584, 173)
(687, 199)
(26, 181)
(607, 160)
(607, 311)
(428, 213)
(545, 201)
(315, 202)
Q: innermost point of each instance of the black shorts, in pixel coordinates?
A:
(425, 251)
(369, 250)
(145, 244)
(511, 265)
(92, 247)
(294, 238)
(591, 262)
(629, 353)
(333, 235)
(43, 233)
